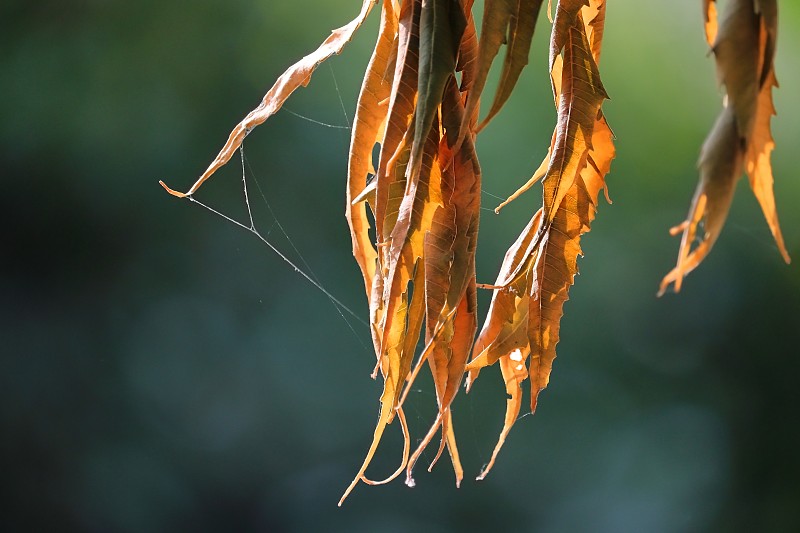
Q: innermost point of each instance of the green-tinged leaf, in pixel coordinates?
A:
(442, 24)
(496, 15)
(521, 25)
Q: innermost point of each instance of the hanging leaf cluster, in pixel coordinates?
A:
(743, 43)
(413, 210)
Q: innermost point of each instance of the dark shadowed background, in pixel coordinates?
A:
(163, 370)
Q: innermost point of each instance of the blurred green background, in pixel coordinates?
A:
(162, 370)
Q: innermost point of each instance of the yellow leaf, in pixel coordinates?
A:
(370, 116)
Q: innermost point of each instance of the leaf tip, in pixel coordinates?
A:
(172, 191)
(608, 197)
(674, 278)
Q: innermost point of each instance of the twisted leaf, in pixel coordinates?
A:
(744, 49)
(295, 76)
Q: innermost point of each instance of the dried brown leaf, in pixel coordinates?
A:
(523, 325)
(744, 50)
(295, 76)
(580, 93)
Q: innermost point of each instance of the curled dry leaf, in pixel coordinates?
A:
(295, 76)
(744, 47)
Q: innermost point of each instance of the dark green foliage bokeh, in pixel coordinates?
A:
(162, 370)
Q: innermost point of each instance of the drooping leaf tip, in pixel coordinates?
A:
(672, 279)
(785, 255)
(172, 191)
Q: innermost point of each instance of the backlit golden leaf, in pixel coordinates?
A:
(468, 51)
(367, 124)
(395, 148)
(594, 16)
(450, 271)
(580, 94)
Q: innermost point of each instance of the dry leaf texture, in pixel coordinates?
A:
(419, 106)
(419, 111)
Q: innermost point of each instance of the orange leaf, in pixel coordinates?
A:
(710, 14)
